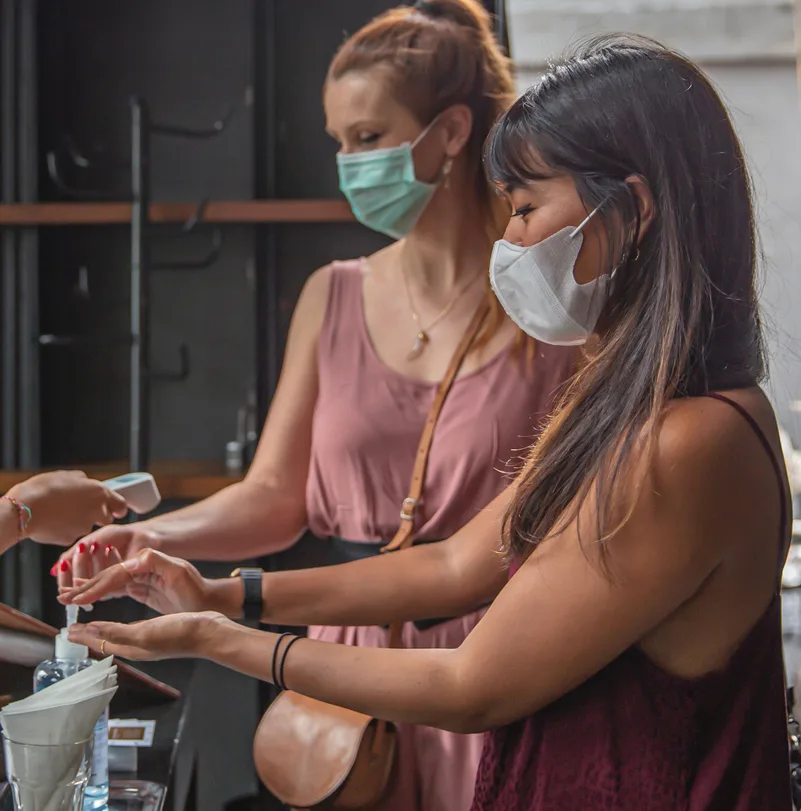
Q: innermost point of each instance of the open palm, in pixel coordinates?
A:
(168, 637)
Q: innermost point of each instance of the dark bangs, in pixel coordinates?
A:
(512, 154)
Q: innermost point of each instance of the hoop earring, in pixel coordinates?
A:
(636, 256)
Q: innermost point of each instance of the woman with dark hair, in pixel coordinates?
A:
(633, 659)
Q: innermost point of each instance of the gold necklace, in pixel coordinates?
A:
(423, 338)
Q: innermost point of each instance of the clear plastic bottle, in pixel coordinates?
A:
(69, 659)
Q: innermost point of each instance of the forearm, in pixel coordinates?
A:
(245, 520)
(405, 686)
(446, 579)
(9, 526)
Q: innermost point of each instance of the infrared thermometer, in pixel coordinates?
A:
(138, 489)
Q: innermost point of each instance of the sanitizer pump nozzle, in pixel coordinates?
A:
(72, 615)
(71, 651)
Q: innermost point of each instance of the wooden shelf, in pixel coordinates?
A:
(176, 480)
(222, 211)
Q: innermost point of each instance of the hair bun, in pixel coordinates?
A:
(468, 13)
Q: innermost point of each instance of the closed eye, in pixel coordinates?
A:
(368, 139)
(523, 211)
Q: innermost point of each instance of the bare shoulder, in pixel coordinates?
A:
(708, 434)
(309, 314)
(314, 295)
(712, 465)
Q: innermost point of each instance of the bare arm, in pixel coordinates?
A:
(432, 580)
(557, 622)
(9, 526)
(445, 579)
(267, 511)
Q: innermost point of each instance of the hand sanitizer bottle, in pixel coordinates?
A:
(69, 659)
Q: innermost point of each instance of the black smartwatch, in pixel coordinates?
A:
(252, 603)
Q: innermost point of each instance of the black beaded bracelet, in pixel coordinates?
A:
(278, 642)
(281, 682)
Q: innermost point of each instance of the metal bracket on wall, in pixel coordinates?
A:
(178, 131)
(94, 341)
(143, 128)
(79, 162)
(98, 161)
(192, 226)
(143, 234)
(84, 341)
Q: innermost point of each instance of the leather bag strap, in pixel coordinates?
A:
(405, 534)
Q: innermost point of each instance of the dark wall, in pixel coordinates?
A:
(191, 63)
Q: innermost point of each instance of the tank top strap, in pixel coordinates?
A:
(777, 470)
(342, 326)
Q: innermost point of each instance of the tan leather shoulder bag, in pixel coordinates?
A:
(311, 754)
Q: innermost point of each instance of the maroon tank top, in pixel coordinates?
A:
(637, 738)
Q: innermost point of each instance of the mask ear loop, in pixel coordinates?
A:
(577, 230)
(426, 130)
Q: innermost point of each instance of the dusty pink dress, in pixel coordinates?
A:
(367, 424)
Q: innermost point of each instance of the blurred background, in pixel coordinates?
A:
(166, 187)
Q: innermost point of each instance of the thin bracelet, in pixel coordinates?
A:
(24, 514)
(281, 682)
(278, 642)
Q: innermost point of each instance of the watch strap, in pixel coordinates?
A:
(252, 602)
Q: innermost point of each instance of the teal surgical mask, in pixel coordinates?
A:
(382, 189)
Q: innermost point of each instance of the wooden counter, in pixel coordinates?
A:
(176, 480)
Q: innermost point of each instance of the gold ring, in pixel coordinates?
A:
(102, 647)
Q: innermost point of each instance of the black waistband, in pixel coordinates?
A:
(342, 551)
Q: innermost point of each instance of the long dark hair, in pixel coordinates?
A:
(681, 318)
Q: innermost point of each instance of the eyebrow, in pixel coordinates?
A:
(522, 185)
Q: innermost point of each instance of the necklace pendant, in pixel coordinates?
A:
(419, 345)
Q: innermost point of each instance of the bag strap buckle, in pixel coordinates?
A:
(408, 507)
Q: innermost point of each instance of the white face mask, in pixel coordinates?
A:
(536, 287)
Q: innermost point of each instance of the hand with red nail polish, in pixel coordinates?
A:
(109, 546)
(166, 584)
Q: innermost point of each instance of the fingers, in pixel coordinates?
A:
(117, 505)
(111, 557)
(77, 561)
(111, 582)
(96, 545)
(82, 565)
(110, 639)
(63, 570)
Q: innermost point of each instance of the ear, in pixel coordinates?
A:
(645, 203)
(457, 124)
